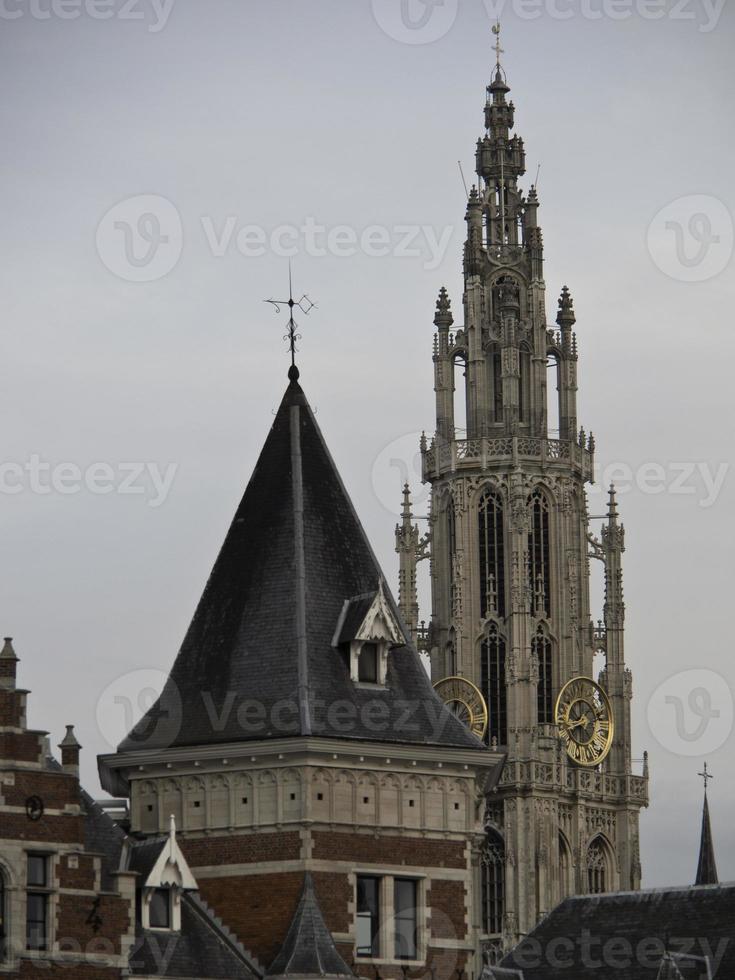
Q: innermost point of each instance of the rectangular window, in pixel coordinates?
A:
(159, 913)
(368, 916)
(367, 668)
(37, 871)
(405, 902)
(37, 902)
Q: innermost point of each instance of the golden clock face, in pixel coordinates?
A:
(465, 701)
(585, 721)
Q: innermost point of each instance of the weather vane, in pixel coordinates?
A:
(705, 776)
(498, 49)
(291, 338)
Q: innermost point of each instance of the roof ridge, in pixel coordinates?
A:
(208, 914)
(643, 892)
(297, 491)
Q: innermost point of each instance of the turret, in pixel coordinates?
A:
(567, 367)
(8, 665)
(616, 679)
(70, 749)
(443, 368)
(407, 544)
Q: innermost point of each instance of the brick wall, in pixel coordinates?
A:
(447, 900)
(415, 851)
(334, 893)
(86, 924)
(257, 908)
(23, 747)
(11, 708)
(240, 849)
(56, 789)
(91, 919)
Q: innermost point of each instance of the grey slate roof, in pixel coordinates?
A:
(353, 616)
(202, 949)
(263, 629)
(308, 950)
(143, 855)
(625, 936)
(102, 836)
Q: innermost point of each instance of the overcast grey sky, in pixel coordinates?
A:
(332, 114)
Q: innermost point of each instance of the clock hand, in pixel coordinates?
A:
(584, 720)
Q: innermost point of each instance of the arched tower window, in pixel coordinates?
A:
(493, 685)
(492, 555)
(493, 884)
(524, 385)
(451, 659)
(597, 868)
(459, 369)
(541, 647)
(538, 553)
(566, 886)
(451, 553)
(553, 395)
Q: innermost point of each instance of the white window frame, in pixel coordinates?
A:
(382, 662)
(174, 909)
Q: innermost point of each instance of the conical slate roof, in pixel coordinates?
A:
(258, 661)
(308, 950)
(706, 868)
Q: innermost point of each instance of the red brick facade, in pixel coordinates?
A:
(86, 928)
(257, 908)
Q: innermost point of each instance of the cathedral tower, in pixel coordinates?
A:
(510, 544)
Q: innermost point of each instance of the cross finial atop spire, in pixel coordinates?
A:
(306, 306)
(706, 775)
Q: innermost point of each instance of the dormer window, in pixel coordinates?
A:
(159, 909)
(367, 663)
(367, 630)
(163, 883)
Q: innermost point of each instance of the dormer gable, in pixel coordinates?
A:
(366, 631)
(164, 876)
